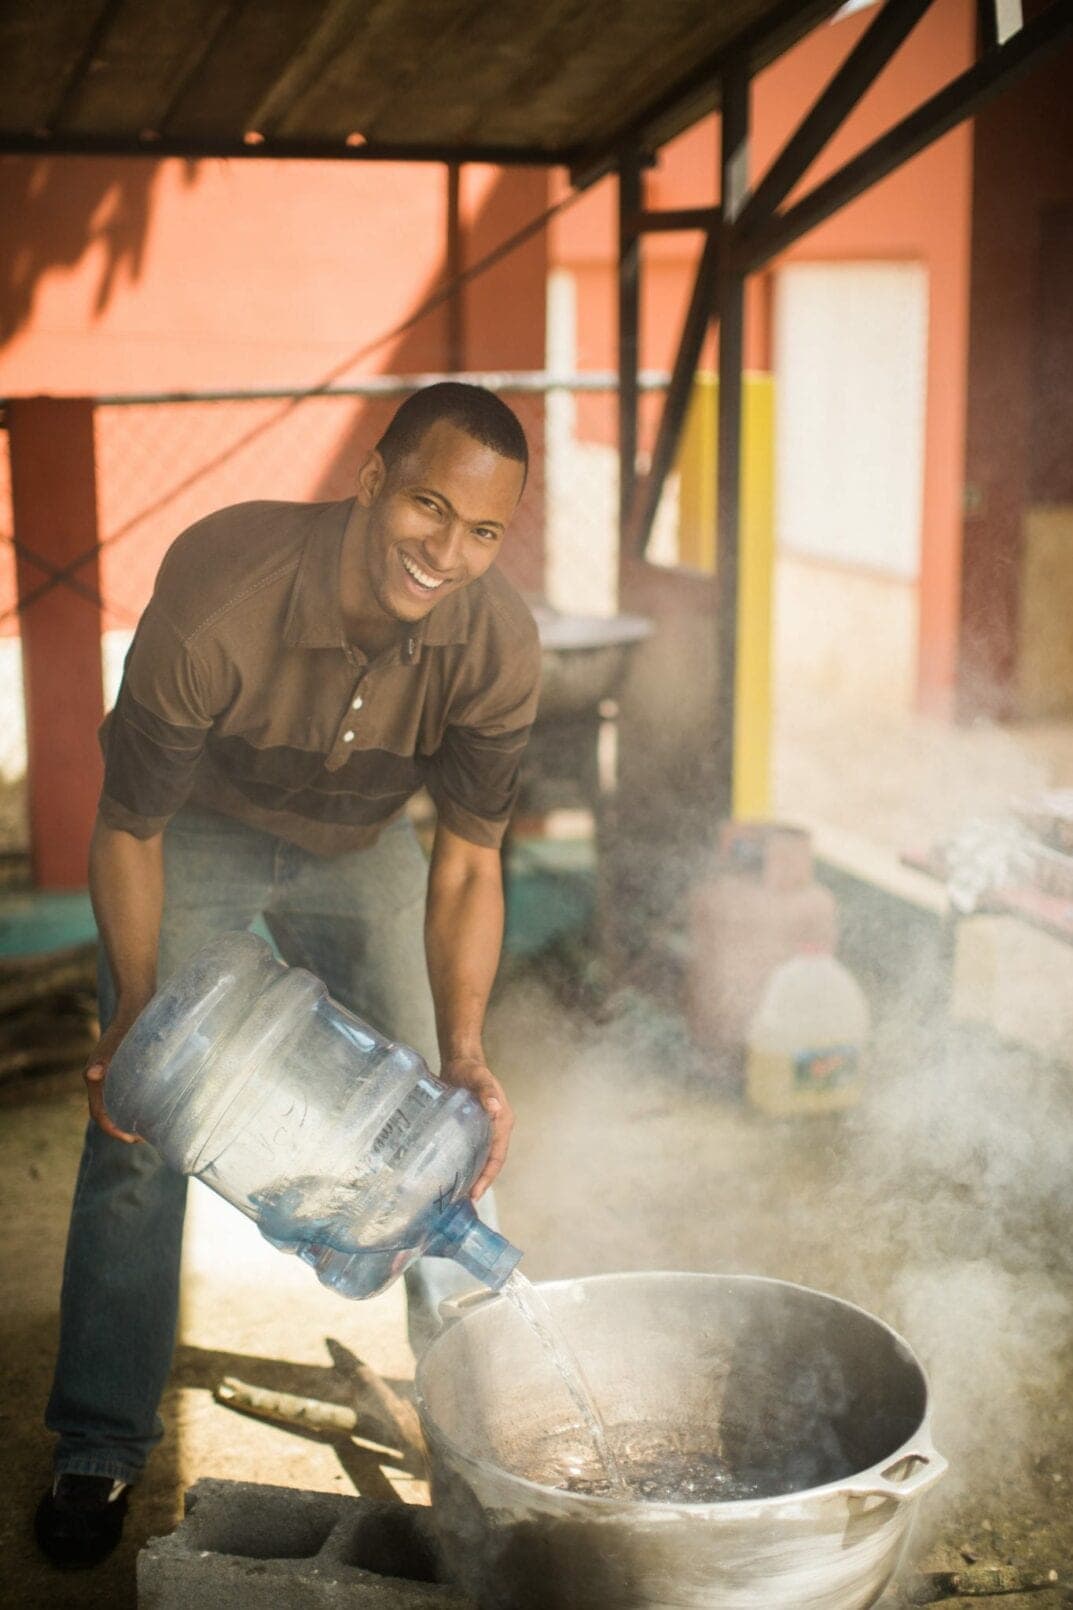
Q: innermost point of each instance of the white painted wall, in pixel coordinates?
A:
(581, 481)
(114, 646)
(13, 724)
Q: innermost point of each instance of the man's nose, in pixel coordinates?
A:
(445, 547)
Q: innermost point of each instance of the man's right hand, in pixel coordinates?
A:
(96, 1071)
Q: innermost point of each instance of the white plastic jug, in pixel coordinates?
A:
(805, 1046)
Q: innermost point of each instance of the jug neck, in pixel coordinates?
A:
(461, 1235)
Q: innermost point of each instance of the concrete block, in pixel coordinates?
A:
(244, 1546)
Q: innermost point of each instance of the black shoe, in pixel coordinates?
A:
(79, 1521)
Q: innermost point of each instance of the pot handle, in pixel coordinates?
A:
(452, 1309)
(929, 1463)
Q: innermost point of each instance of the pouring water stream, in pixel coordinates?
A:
(527, 1302)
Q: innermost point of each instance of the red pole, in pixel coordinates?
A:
(54, 504)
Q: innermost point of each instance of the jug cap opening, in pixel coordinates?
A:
(487, 1255)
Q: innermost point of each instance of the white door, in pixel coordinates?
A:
(850, 360)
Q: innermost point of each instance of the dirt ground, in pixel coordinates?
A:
(941, 1204)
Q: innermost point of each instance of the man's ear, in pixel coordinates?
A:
(371, 478)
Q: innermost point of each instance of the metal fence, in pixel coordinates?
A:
(164, 461)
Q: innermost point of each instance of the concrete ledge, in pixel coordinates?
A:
(243, 1546)
(851, 855)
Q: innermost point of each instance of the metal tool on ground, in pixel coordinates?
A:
(979, 1582)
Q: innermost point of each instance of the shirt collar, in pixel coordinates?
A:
(315, 618)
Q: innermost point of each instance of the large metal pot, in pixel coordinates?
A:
(821, 1404)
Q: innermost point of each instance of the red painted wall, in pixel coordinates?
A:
(143, 276)
(169, 276)
(136, 275)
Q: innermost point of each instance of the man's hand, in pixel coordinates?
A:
(463, 933)
(471, 1073)
(96, 1071)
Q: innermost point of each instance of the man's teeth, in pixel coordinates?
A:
(422, 577)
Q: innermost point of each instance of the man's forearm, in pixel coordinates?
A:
(463, 938)
(126, 883)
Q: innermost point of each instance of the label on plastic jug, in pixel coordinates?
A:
(395, 1134)
(827, 1069)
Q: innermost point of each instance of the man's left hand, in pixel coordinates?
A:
(471, 1073)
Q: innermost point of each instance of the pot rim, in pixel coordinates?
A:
(919, 1445)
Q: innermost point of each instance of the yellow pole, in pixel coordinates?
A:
(696, 476)
(756, 599)
(696, 549)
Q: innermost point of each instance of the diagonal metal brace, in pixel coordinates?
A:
(962, 97)
(643, 507)
(854, 78)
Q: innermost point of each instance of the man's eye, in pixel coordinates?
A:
(427, 503)
(486, 534)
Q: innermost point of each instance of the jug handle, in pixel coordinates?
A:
(452, 1309)
(930, 1466)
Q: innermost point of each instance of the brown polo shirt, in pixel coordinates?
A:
(241, 693)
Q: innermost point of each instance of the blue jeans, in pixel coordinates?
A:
(356, 921)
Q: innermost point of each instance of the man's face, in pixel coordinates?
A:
(436, 518)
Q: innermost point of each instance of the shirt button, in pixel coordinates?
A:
(348, 737)
(358, 702)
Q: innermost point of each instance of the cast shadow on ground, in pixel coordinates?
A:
(27, 1351)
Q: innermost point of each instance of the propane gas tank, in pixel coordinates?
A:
(761, 907)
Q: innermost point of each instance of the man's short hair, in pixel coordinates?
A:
(473, 409)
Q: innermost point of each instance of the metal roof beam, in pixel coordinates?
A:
(148, 145)
(630, 201)
(90, 51)
(335, 28)
(697, 94)
(675, 218)
(961, 98)
(195, 62)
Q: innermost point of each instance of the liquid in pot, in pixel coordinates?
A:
(660, 1468)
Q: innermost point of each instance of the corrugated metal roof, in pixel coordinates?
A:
(543, 80)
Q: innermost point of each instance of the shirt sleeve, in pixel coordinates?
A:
(153, 739)
(473, 777)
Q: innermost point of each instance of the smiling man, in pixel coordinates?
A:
(299, 673)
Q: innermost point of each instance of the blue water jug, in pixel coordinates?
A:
(338, 1143)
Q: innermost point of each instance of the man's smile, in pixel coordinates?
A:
(419, 576)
